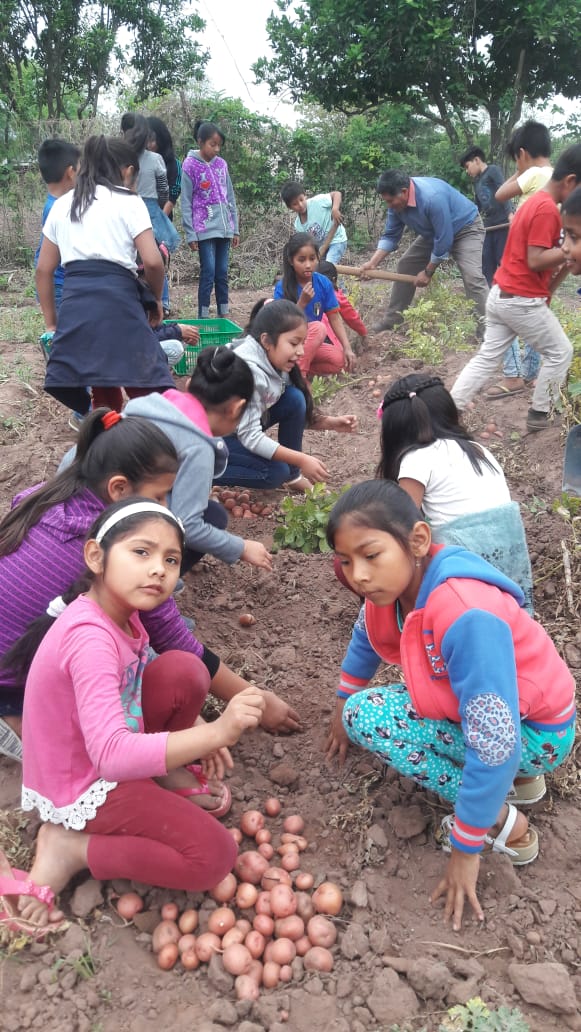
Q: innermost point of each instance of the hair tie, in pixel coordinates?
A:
(212, 366)
(110, 418)
(412, 394)
(379, 412)
(133, 510)
(56, 607)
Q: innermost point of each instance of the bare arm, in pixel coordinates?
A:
(376, 259)
(541, 258)
(48, 261)
(277, 714)
(242, 713)
(153, 270)
(509, 189)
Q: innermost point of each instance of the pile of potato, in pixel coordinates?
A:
(240, 504)
(267, 914)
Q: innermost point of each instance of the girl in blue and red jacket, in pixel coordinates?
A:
(488, 704)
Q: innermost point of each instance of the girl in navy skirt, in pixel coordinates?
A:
(103, 336)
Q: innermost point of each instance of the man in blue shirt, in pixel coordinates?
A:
(447, 225)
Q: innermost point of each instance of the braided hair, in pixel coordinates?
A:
(416, 411)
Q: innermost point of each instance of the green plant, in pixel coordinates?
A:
(442, 318)
(475, 1016)
(85, 966)
(304, 520)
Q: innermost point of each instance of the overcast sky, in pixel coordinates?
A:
(236, 37)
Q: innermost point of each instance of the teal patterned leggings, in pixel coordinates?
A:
(432, 752)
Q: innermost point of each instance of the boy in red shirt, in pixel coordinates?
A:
(532, 266)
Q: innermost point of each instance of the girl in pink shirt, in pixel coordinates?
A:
(113, 786)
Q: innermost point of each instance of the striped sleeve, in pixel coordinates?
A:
(466, 837)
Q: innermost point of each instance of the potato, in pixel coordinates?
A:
(318, 959)
(321, 931)
(188, 922)
(255, 943)
(206, 945)
(292, 928)
(167, 956)
(272, 807)
(304, 880)
(246, 988)
(237, 512)
(246, 895)
(190, 960)
(251, 867)
(225, 890)
(270, 974)
(187, 942)
(230, 504)
(165, 932)
(237, 959)
(264, 924)
(235, 935)
(293, 824)
(221, 921)
(128, 905)
(246, 620)
(291, 862)
(282, 951)
(282, 901)
(275, 876)
(251, 821)
(266, 850)
(328, 899)
(305, 906)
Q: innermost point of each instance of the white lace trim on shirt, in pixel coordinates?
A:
(74, 815)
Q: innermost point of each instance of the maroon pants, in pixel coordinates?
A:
(112, 397)
(146, 833)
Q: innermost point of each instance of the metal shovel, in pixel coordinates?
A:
(572, 465)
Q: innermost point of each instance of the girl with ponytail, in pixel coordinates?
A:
(103, 337)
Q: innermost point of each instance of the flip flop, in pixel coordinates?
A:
(18, 883)
(498, 391)
(525, 793)
(204, 789)
(521, 852)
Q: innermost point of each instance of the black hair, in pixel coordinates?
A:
(470, 154)
(328, 269)
(219, 375)
(572, 206)
(568, 164)
(290, 286)
(392, 182)
(55, 157)
(379, 505)
(18, 658)
(133, 447)
(275, 318)
(204, 131)
(417, 411)
(290, 191)
(127, 121)
(532, 137)
(163, 138)
(102, 163)
(137, 134)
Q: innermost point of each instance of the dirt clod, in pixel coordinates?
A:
(408, 821)
(546, 985)
(283, 774)
(87, 897)
(391, 1000)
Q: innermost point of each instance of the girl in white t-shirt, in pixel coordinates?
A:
(457, 483)
(102, 337)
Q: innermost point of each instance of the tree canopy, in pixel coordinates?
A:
(444, 58)
(77, 47)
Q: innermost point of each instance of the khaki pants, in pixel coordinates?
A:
(466, 251)
(531, 319)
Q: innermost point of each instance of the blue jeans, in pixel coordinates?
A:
(336, 252)
(526, 366)
(214, 254)
(217, 515)
(245, 469)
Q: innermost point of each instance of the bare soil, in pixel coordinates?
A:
(370, 831)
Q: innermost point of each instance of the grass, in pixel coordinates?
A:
(21, 325)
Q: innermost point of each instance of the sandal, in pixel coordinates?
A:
(203, 788)
(498, 390)
(525, 793)
(522, 851)
(18, 884)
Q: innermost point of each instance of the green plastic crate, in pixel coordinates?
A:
(212, 331)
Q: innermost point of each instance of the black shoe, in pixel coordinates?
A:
(537, 420)
(388, 323)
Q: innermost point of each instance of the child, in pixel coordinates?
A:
(530, 148)
(160, 142)
(571, 246)
(320, 216)
(456, 482)
(272, 349)
(495, 214)
(532, 266)
(103, 337)
(475, 725)
(348, 313)
(114, 788)
(217, 394)
(315, 296)
(209, 215)
(41, 554)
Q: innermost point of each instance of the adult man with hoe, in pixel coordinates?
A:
(447, 224)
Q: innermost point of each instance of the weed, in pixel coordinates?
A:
(85, 965)
(535, 506)
(443, 318)
(304, 520)
(325, 387)
(475, 1016)
(21, 325)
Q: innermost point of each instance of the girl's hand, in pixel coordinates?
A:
(256, 554)
(337, 739)
(278, 716)
(214, 765)
(313, 469)
(235, 241)
(307, 295)
(243, 712)
(459, 884)
(193, 245)
(349, 359)
(190, 334)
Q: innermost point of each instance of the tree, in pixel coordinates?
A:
(444, 58)
(75, 46)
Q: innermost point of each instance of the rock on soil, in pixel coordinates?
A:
(86, 898)
(408, 821)
(391, 1000)
(546, 985)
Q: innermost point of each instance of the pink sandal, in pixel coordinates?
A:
(204, 789)
(19, 884)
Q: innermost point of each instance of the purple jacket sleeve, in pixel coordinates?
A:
(167, 630)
